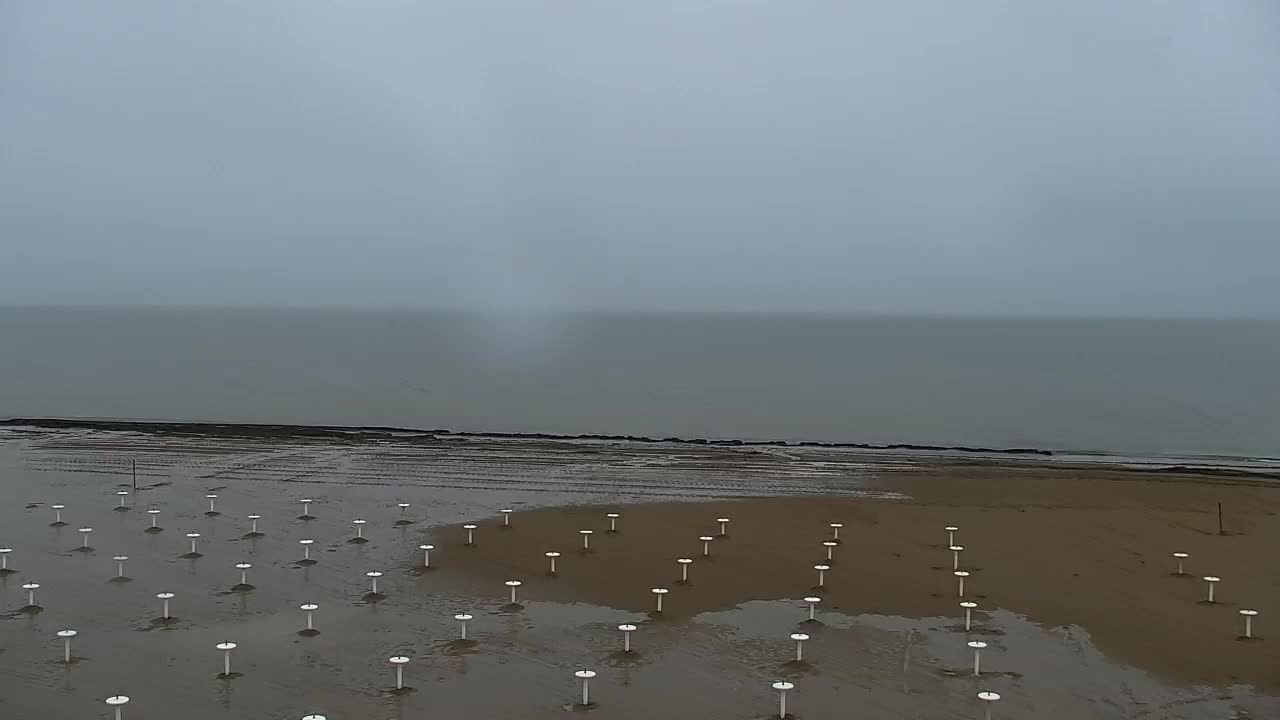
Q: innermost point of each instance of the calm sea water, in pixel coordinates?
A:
(1120, 386)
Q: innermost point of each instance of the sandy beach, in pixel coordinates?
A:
(1070, 566)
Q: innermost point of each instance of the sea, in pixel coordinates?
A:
(1206, 389)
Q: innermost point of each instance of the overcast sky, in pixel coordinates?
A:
(1084, 157)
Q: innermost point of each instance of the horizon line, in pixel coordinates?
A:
(567, 311)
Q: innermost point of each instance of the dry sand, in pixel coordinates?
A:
(1061, 547)
(1070, 567)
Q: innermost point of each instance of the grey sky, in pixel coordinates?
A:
(1087, 157)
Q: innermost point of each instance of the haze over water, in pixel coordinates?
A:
(1118, 386)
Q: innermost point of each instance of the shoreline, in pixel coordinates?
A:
(1224, 466)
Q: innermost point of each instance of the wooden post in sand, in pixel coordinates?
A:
(1221, 530)
(463, 619)
(399, 661)
(782, 687)
(66, 636)
(585, 676)
(226, 648)
(135, 476)
(822, 577)
(1180, 556)
(626, 629)
(117, 702)
(813, 602)
(309, 609)
(977, 646)
(799, 638)
(1210, 581)
(987, 699)
(1248, 616)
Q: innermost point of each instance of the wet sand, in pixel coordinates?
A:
(1062, 550)
(1070, 569)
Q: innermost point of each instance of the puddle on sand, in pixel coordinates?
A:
(1039, 672)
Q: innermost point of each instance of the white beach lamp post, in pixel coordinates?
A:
(684, 569)
(253, 526)
(988, 699)
(1210, 580)
(403, 519)
(153, 527)
(835, 531)
(968, 606)
(243, 567)
(373, 576)
(122, 497)
(314, 717)
(586, 540)
(955, 556)
(306, 509)
(399, 661)
(426, 555)
(471, 534)
(117, 702)
(724, 526)
(463, 619)
(830, 545)
(359, 538)
(552, 557)
(658, 593)
(951, 534)
(226, 648)
(212, 511)
(961, 575)
(84, 539)
(1181, 556)
(31, 589)
(513, 585)
(309, 609)
(506, 518)
(799, 638)
(706, 545)
(306, 552)
(1248, 616)
(4, 561)
(66, 636)
(782, 687)
(57, 515)
(585, 676)
(613, 521)
(822, 577)
(626, 629)
(812, 601)
(120, 560)
(977, 646)
(165, 597)
(193, 536)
